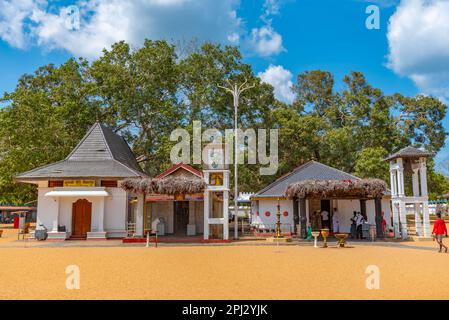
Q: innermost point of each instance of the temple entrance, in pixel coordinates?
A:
(181, 217)
(325, 205)
(81, 218)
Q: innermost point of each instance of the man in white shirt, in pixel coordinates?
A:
(325, 219)
(336, 221)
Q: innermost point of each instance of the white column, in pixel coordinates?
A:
(393, 183)
(423, 176)
(56, 220)
(396, 219)
(140, 214)
(226, 215)
(403, 219)
(418, 223)
(415, 181)
(426, 222)
(206, 215)
(400, 181)
(101, 215)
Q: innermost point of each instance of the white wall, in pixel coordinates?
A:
(346, 209)
(271, 206)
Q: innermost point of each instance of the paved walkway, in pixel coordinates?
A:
(118, 243)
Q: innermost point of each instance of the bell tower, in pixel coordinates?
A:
(216, 195)
(409, 161)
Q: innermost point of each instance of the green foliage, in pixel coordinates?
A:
(146, 93)
(370, 163)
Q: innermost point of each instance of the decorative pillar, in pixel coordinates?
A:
(206, 215)
(423, 176)
(303, 217)
(56, 220)
(393, 183)
(225, 215)
(396, 219)
(418, 223)
(426, 222)
(403, 220)
(400, 178)
(415, 181)
(101, 215)
(296, 224)
(140, 214)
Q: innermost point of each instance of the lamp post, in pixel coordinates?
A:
(236, 91)
(278, 223)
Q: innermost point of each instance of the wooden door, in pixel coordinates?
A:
(81, 218)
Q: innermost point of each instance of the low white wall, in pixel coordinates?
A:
(271, 206)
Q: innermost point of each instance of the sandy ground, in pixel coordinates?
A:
(110, 271)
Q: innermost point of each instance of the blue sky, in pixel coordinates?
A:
(280, 38)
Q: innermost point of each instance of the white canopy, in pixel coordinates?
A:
(77, 192)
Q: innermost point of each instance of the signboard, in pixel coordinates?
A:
(79, 183)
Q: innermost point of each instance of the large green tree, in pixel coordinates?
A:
(145, 93)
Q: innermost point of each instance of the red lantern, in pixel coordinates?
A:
(267, 214)
(257, 213)
(285, 213)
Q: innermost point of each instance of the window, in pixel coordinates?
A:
(109, 183)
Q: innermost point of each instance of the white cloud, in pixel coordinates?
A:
(281, 80)
(266, 41)
(104, 22)
(12, 15)
(418, 38)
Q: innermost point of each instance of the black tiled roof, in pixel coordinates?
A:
(101, 153)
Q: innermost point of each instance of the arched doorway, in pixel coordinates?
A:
(81, 218)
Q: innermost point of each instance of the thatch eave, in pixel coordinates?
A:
(168, 186)
(337, 189)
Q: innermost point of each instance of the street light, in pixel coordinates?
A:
(236, 91)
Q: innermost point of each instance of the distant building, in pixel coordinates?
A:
(297, 213)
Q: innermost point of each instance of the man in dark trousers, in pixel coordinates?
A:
(440, 230)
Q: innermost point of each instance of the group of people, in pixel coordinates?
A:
(321, 220)
(357, 222)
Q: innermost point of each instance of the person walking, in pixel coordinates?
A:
(439, 230)
(359, 223)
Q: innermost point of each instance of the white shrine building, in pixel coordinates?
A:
(409, 161)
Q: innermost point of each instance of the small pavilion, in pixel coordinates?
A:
(409, 161)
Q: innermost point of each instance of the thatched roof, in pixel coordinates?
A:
(364, 188)
(168, 185)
